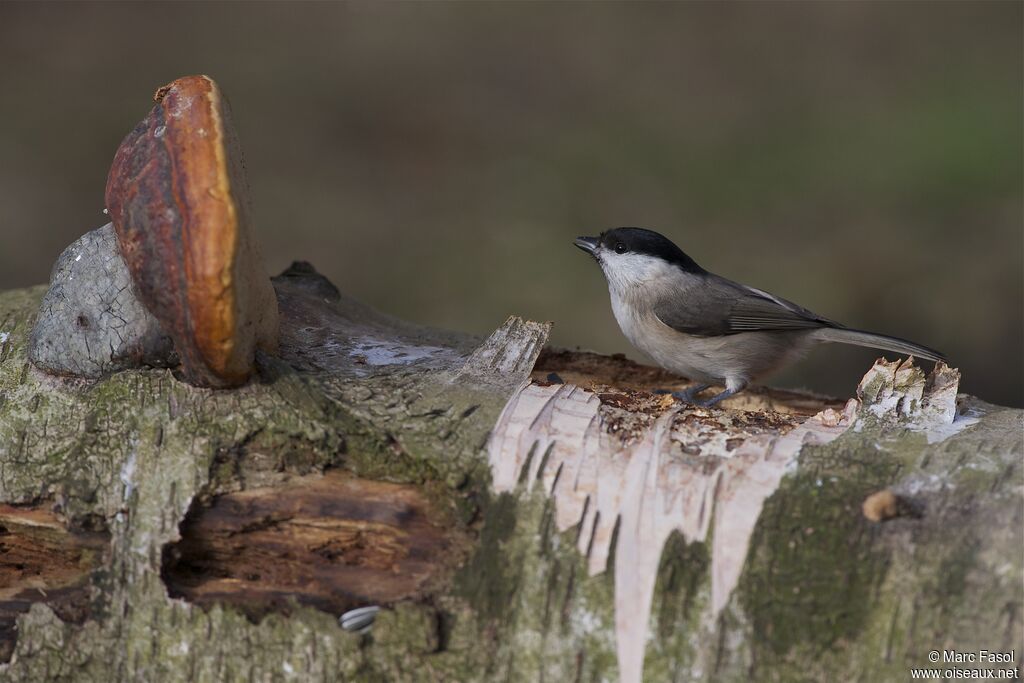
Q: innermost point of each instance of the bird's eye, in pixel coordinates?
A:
(620, 248)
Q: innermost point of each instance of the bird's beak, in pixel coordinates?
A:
(587, 244)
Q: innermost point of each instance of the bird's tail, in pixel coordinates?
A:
(877, 341)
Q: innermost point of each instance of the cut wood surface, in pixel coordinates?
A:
(520, 513)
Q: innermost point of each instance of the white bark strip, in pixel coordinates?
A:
(652, 488)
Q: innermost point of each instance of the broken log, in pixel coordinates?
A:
(518, 512)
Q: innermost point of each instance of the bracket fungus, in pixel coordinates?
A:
(178, 200)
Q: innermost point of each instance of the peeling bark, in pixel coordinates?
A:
(536, 530)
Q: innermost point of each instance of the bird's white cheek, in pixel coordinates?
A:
(627, 271)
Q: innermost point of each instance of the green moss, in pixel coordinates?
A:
(825, 594)
(546, 619)
(488, 579)
(135, 449)
(814, 566)
(683, 592)
(681, 575)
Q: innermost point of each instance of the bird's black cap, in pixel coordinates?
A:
(650, 243)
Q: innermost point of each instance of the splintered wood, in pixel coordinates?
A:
(652, 467)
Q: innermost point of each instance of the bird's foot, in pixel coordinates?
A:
(688, 395)
(708, 402)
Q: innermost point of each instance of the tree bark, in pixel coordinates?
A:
(518, 513)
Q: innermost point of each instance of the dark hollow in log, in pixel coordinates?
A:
(41, 561)
(334, 542)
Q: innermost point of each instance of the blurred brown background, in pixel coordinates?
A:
(436, 160)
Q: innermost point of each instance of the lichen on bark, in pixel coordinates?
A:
(823, 594)
(135, 450)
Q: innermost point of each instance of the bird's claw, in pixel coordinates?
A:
(713, 400)
(690, 395)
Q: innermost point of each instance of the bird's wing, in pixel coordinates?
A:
(718, 306)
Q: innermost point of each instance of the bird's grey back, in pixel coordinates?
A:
(711, 305)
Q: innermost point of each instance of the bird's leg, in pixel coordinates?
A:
(708, 402)
(731, 388)
(689, 395)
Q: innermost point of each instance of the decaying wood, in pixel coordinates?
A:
(42, 562)
(332, 541)
(588, 528)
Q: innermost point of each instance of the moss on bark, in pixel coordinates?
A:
(825, 595)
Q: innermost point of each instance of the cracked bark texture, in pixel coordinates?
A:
(91, 322)
(821, 592)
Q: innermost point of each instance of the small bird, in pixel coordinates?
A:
(707, 328)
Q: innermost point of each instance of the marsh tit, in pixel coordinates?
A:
(707, 328)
